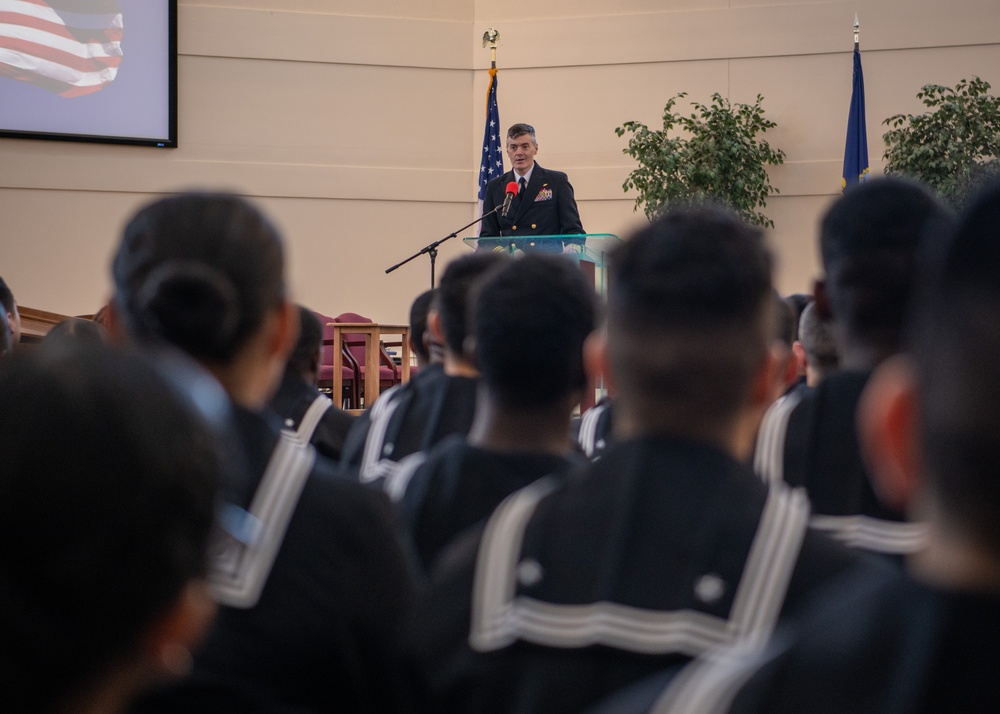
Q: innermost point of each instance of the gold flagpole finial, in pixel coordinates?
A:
(491, 37)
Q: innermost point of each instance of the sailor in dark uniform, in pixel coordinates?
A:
(869, 244)
(309, 572)
(311, 415)
(530, 354)
(103, 535)
(441, 399)
(666, 546)
(923, 639)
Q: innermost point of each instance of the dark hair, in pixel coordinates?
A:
(520, 130)
(531, 318)
(418, 323)
(99, 536)
(817, 340)
(6, 297)
(454, 295)
(199, 271)
(797, 302)
(869, 241)
(689, 313)
(75, 329)
(785, 326)
(305, 356)
(955, 342)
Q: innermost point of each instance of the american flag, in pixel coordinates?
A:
(491, 165)
(69, 47)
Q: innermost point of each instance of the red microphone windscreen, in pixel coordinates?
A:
(512, 187)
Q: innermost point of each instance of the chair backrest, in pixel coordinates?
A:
(355, 340)
(350, 371)
(326, 351)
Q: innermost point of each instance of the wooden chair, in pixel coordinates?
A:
(355, 345)
(350, 397)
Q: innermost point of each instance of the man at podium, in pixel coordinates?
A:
(543, 205)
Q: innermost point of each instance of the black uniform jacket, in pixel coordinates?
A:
(875, 641)
(810, 439)
(579, 586)
(408, 418)
(546, 207)
(291, 402)
(457, 485)
(316, 638)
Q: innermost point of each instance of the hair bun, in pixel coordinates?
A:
(191, 306)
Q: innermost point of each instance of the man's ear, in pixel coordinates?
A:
(888, 429)
(790, 372)
(595, 360)
(822, 299)
(174, 635)
(114, 323)
(769, 382)
(799, 357)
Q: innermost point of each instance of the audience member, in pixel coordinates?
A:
(785, 333)
(441, 400)
(421, 343)
(798, 302)
(868, 241)
(530, 355)
(310, 576)
(298, 401)
(922, 640)
(107, 498)
(76, 329)
(665, 546)
(818, 346)
(10, 307)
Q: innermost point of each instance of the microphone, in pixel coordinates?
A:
(511, 192)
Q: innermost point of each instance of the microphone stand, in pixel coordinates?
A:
(431, 248)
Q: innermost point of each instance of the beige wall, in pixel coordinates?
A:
(358, 126)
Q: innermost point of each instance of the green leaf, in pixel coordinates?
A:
(951, 147)
(716, 154)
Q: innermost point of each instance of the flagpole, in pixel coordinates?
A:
(491, 164)
(857, 33)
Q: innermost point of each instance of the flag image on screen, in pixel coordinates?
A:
(68, 47)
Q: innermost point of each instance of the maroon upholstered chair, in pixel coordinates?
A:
(350, 370)
(355, 345)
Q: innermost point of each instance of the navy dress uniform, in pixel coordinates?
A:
(546, 206)
(809, 439)
(580, 586)
(311, 586)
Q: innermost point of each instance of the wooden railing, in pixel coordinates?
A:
(35, 324)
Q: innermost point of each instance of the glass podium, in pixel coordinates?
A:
(589, 249)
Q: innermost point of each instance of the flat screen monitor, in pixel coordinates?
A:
(89, 70)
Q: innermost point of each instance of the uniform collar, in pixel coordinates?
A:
(527, 176)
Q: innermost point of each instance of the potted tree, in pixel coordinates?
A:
(714, 152)
(951, 148)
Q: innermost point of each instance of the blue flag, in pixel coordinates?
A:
(856, 150)
(491, 165)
